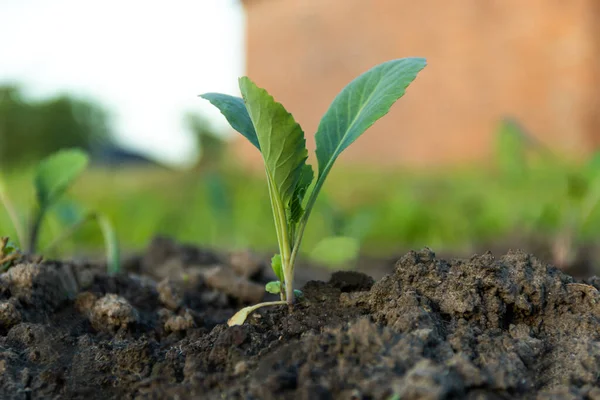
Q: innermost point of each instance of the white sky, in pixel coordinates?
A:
(146, 61)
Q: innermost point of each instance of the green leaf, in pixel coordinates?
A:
(69, 212)
(235, 112)
(295, 208)
(240, 316)
(9, 248)
(277, 266)
(273, 287)
(280, 137)
(56, 173)
(366, 99)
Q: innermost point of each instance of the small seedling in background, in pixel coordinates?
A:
(516, 150)
(9, 253)
(582, 198)
(511, 148)
(280, 139)
(565, 215)
(53, 176)
(74, 216)
(347, 232)
(12, 212)
(219, 203)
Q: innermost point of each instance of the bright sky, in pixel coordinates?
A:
(146, 61)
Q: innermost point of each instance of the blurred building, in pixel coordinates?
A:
(537, 61)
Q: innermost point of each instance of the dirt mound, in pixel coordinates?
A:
(481, 328)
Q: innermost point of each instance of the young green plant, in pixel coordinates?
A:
(564, 216)
(8, 254)
(280, 139)
(347, 231)
(53, 177)
(580, 202)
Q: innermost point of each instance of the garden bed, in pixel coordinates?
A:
(478, 328)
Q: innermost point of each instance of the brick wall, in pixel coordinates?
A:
(536, 60)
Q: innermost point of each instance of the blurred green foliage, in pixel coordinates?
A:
(445, 210)
(211, 145)
(33, 129)
(525, 192)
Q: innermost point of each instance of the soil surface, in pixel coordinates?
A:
(481, 328)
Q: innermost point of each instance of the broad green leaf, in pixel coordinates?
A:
(366, 99)
(235, 112)
(56, 173)
(69, 212)
(280, 137)
(273, 287)
(277, 266)
(295, 209)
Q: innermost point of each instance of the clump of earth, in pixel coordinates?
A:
(485, 327)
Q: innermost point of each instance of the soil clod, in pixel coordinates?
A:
(480, 328)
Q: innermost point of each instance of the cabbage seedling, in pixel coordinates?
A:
(53, 177)
(8, 254)
(280, 139)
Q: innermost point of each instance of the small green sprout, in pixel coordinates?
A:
(341, 248)
(280, 139)
(582, 199)
(566, 215)
(9, 253)
(53, 176)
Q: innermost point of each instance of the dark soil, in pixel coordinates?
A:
(479, 328)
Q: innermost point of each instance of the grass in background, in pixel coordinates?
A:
(445, 210)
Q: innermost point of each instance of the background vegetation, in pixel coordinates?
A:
(524, 195)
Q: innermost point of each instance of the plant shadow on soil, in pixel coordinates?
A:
(478, 328)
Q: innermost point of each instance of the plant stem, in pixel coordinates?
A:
(35, 231)
(283, 239)
(70, 231)
(111, 242)
(303, 221)
(12, 214)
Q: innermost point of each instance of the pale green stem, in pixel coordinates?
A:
(282, 238)
(68, 233)
(113, 256)
(12, 214)
(302, 224)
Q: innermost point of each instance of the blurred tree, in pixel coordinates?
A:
(31, 130)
